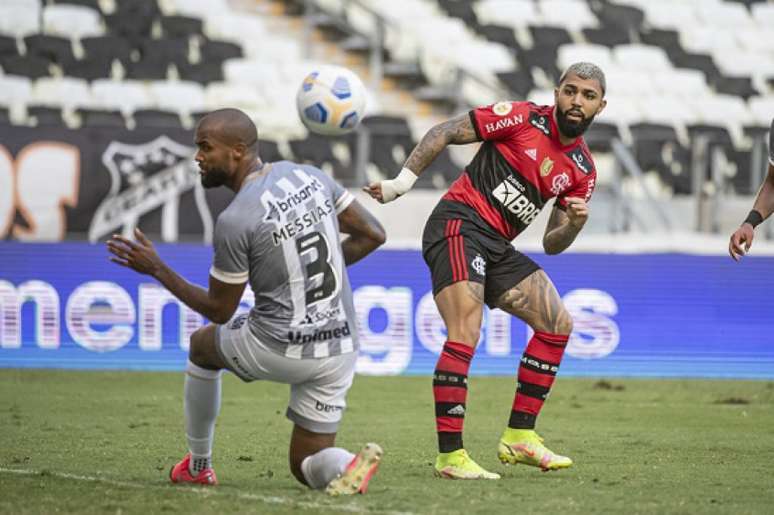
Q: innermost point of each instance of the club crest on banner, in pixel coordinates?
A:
(145, 177)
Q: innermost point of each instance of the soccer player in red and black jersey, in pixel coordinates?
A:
(530, 154)
(742, 238)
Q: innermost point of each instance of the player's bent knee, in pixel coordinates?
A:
(202, 348)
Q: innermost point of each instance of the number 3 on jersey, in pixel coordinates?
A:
(314, 253)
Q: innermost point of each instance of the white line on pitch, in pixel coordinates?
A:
(268, 499)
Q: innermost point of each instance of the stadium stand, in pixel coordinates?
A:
(677, 70)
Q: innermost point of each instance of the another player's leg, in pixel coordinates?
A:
(461, 307)
(536, 302)
(316, 408)
(315, 462)
(202, 404)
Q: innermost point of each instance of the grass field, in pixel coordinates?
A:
(96, 442)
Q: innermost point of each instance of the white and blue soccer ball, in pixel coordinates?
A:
(331, 100)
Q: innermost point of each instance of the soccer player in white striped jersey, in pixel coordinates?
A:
(280, 233)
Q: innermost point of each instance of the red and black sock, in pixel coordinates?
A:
(450, 390)
(537, 372)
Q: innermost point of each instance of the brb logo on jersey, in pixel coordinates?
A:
(515, 201)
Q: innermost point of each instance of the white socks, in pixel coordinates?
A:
(321, 468)
(202, 404)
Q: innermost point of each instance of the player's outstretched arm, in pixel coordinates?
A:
(564, 226)
(741, 240)
(457, 131)
(365, 232)
(218, 303)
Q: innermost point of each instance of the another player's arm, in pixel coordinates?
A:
(218, 302)
(742, 238)
(365, 233)
(456, 131)
(564, 225)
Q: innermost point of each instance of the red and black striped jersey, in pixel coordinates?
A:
(520, 166)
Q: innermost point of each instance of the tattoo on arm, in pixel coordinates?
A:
(457, 131)
(560, 233)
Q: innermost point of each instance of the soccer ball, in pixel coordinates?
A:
(331, 100)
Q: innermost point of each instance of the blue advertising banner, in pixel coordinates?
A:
(65, 305)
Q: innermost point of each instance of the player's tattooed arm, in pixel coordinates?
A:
(564, 225)
(365, 232)
(456, 131)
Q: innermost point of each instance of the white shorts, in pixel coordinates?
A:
(318, 387)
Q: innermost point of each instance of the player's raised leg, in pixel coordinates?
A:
(201, 405)
(535, 301)
(461, 307)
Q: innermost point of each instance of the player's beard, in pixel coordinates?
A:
(569, 128)
(214, 177)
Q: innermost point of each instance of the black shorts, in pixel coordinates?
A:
(459, 246)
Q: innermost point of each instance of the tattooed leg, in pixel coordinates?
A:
(536, 301)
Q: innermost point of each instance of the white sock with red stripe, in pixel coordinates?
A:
(201, 405)
(324, 466)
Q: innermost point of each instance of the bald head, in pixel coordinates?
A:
(231, 127)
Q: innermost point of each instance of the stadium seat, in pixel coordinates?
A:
(511, 12)
(763, 14)
(30, 66)
(181, 26)
(5, 116)
(761, 110)
(64, 92)
(39, 116)
(571, 14)
(215, 50)
(198, 8)
(726, 15)
(96, 118)
(641, 57)
(519, 82)
(318, 150)
(72, 21)
(125, 96)
(111, 46)
(149, 68)
(171, 50)
(619, 18)
(240, 95)
(52, 48)
(180, 97)
(15, 90)
(232, 27)
(8, 46)
(204, 73)
(572, 53)
(667, 39)
(607, 36)
(19, 21)
(157, 118)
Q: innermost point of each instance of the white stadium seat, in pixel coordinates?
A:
(761, 109)
(233, 27)
(725, 14)
(72, 21)
(125, 96)
(180, 96)
(570, 14)
(669, 15)
(19, 21)
(763, 15)
(573, 53)
(239, 95)
(641, 57)
(507, 12)
(15, 90)
(63, 92)
(703, 40)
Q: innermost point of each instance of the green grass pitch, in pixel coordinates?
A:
(102, 442)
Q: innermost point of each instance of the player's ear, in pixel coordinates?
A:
(239, 150)
(602, 105)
